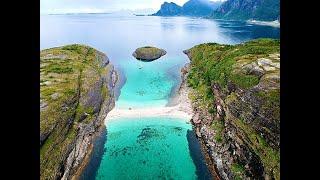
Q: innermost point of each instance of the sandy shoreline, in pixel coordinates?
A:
(176, 111)
(179, 107)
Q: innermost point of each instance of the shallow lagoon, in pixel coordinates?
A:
(146, 148)
(118, 36)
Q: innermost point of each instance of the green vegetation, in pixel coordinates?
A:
(265, 10)
(248, 67)
(238, 170)
(271, 100)
(218, 126)
(215, 63)
(148, 53)
(67, 76)
(244, 81)
(269, 157)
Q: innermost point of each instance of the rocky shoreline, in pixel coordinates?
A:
(87, 145)
(78, 173)
(77, 93)
(238, 123)
(183, 93)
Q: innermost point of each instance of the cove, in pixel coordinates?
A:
(145, 147)
(149, 148)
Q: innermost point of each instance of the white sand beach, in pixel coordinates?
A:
(179, 107)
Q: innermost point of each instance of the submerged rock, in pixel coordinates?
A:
(148, 53)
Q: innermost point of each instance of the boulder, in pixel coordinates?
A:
(148, 53)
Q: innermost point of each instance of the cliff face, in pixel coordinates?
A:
(199, 7)
(169, 9)
(76, 94)
(266, 10)
(236, 103)
(190, 8)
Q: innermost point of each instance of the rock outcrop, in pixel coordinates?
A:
(76, 93)
(235, 92)
(148, 53)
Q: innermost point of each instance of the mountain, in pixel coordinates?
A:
(264, 10)
(169, 9)
(199, 7)
(190, 8)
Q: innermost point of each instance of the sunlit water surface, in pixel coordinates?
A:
(146, 148)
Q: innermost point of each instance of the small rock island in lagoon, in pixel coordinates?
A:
(234, 93)
(148, 53)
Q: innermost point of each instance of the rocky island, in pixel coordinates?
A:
(76, 92)
(235, 96)
(148, 53)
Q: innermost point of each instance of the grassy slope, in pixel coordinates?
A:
(63, 73)
(215, 63)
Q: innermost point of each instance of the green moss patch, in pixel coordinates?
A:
(236, 68)
(218, 127)
(66, 75)
(238, 170)
(148, 53)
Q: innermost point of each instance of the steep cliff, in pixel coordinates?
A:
(265, 10)
(199, 7)
(76, 93)
(235, 92)
(169, 9)
(190, 8)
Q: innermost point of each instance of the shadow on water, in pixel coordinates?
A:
(202, 170)
(89, 172)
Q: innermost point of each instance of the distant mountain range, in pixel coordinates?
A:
(190, 8)
(264, 10)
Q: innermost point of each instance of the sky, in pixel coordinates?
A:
(98, 6)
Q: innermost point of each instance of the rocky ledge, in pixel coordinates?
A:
(235, 94)
(148, 53)
(76, 92)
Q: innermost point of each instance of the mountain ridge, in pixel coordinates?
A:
(190, 8)
(263, 10)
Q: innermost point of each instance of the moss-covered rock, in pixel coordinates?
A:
(240, 85)
(148, 53)
(76, 93)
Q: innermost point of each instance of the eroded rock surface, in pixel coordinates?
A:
(76, 92)
(148, 53)
(235, 92)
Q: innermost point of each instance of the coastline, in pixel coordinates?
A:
(178, 107)
(275, 23)
(113, 84)
(184, 91)
(87, 157)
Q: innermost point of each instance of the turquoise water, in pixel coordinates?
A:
(149, 84)
(147, 148)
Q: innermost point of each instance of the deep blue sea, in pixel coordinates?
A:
(146, 148)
